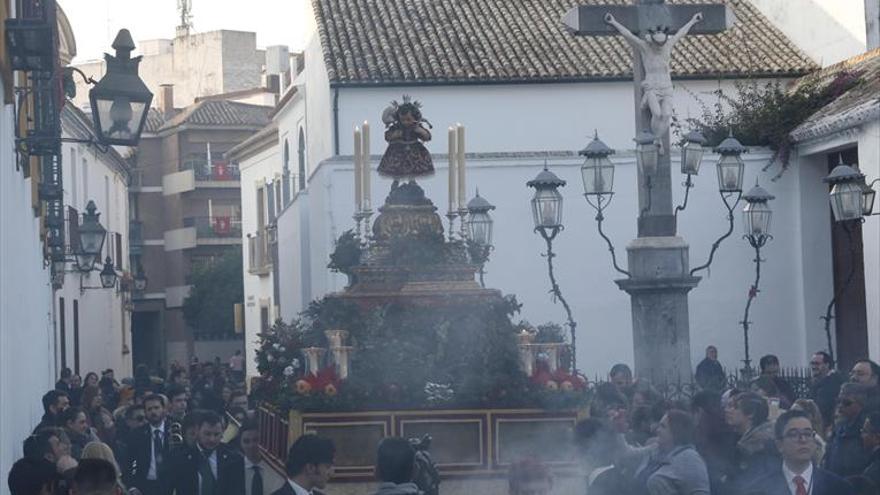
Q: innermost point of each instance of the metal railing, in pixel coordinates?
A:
(259, 259)
(215, 227)
(214, 171)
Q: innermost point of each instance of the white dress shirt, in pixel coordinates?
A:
(298, 490)
(249, 475)
(807, 475)
(152, 473)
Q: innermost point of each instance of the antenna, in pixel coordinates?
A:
(184, 7)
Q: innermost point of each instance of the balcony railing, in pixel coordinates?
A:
(213, 171)
(215, 227)
(259, 258)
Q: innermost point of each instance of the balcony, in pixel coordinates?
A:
(219, 173)
(259, 257)
(216, 229)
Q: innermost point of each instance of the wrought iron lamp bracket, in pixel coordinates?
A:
(725, 197)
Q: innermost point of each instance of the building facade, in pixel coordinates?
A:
(186, 210)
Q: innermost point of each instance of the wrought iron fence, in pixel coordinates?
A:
(214, 170)
(216, 227)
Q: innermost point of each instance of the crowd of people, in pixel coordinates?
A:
(193, 433)
(757, 439)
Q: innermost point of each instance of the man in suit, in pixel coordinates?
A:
(309, 466)
(54, 403)
(871, 441)
(259, 478)
(795, 440)
(825, 384)
(147, 448)
(208, 467)
(845, 455)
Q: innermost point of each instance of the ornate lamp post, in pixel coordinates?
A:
(120, 100)
(756, 221)
(598, 177)
(547, 215)
(849, 201)
(108, 274)
(479, 229)
(140, 279)
(692, 152)
(91, 239)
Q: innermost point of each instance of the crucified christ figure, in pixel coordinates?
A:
(656, 51)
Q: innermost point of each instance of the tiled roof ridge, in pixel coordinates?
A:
(220, 112)
(486, 41)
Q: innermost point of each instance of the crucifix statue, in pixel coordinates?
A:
(655, 50)
(658, 259)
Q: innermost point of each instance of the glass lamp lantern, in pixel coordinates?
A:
(597, 171)
(120, 101)
(647, 152)
(91, 238)
(547, 201)
(140, 280)
(868, 197)
(757, 214)
(692, 153)
(479, 222)
(730, 166)
(108, 274)
(847, 193)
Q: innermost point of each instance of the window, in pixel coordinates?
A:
(74, 180)
(76, 336)
(85, 181)
(278, 198)
(285, 175)
(301, 157)
(62, 332)
(261, 209)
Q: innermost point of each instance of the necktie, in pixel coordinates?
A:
(800, 486)
(157, 447)
(257, 482)
(206, 474)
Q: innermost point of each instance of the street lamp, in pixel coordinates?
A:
(598, 176)
(120, 100)
(730, 166)
(647, 152)
(547, 203)
(140, 279)
(847, 193)
(868, 197)
(597, 171)
(692, 153)
(756, 221)
(849, 200)
(108, 274)
(91, 239)
(547, 215)
(479, 228)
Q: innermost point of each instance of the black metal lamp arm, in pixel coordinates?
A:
(730, 207)
(557, 293)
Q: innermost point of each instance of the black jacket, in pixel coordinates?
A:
(138, 450)
(284, 489)
(710, 375)
(824, 483)
(181, 476)
(48, 420)
(845, 455)
(824, 393)
(872, 472)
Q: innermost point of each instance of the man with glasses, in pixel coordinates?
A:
(871, 442)
(845, 455)
(797, 475)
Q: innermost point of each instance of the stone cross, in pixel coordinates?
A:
(658, 260)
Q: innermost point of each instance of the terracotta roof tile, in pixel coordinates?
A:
(456, 41)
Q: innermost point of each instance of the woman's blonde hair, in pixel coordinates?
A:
(100, 450)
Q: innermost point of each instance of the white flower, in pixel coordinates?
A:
(288, 371)
(294, 363)
(269, 358)
(276, 346)
(281, 349)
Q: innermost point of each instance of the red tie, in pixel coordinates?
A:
(801, 486)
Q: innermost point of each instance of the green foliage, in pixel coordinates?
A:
(765, 115)
(216, 287)
(347, 254)
(408, 357)
(424, 249)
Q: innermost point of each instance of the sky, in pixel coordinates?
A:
(96, 22)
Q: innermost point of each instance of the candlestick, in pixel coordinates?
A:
(366, 166)
(358, 175)
(452, 165)
(459, 144)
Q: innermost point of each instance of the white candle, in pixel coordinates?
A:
(452, 164)
(366, 166)
(358, 176)
(459, 142)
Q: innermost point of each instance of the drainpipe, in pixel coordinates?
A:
(336, 121)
